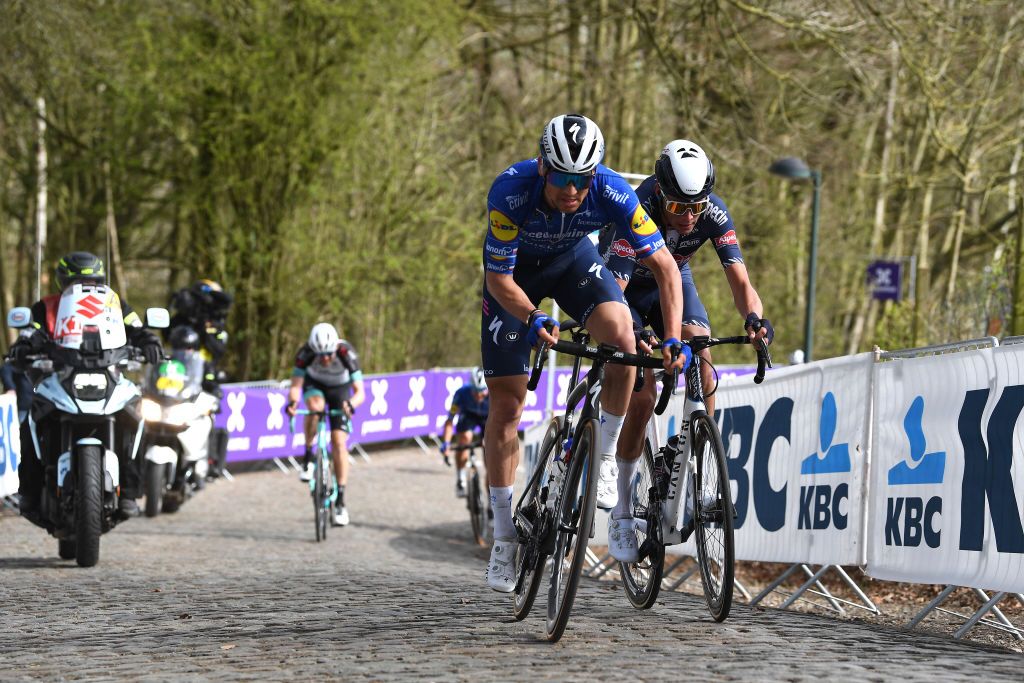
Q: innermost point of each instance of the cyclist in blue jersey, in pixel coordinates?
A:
(327, 372)
(471, 403)
(680, 201)
(540, 214)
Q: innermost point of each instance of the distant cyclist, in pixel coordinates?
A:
(471, 404)
(541, 212)
(679, 198)
(327, 371)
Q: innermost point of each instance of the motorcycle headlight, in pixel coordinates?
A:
(179, 414)
(90, 386)
(151, 411)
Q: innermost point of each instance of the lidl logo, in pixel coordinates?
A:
(641, 224)
(502, 227)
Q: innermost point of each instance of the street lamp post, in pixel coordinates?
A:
(796, 169)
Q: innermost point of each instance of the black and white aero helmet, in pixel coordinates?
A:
(684, 171)
(572, 143)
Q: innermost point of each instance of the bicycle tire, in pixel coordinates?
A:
(713, 516)
(532, 504)
(475, 504)
(319, 495)
(641, 581)
(574, 518)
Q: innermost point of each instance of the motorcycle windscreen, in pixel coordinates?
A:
(87, 304)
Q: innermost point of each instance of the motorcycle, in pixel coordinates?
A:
(85, 413)
(179, 421)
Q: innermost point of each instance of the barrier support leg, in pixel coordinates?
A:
(998, 614)
(870, 606)
(422, 445)
(938, 600)
(293, 463)
(227, 475)
(603, 566)
(774, 584)
(592, 560)
(982, 611)
(824, 592)
(362, 453)
(742, 589)
(807, 584)
(686, 575)
(281, 466)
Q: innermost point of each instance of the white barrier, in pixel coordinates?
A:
(10, 440)
(947, 452)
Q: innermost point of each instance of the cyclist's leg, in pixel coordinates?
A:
(314, 399)
(695, 323)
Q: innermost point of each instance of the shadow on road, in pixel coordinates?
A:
(34, 563)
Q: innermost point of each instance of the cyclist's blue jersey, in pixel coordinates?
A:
(714, 224)
(520, 223)
(464, 401)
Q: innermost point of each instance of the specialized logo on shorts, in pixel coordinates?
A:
(641, 224)
(512, 336)
(502, 226)
(726, 239)
(622, 248)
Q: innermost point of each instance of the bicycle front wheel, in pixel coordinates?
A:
(713, 516)
(321, 495)
(574, 518)
(533, 522)
(477, 510)
(642, 580)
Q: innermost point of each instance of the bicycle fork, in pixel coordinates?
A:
(673, 472)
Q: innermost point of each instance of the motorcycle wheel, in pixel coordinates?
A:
(154, 488)
(66, 549)
(88, 505)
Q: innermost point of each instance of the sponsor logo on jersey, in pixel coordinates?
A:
(583, 283)
(515, 201)
(717, 214)
(511, 170)
(500, 251)
(614, 195)
(621, 248)
(726, 239)
(681, 259)
(641, 224)
(502, 227)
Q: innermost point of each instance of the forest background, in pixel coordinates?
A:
(330, 160)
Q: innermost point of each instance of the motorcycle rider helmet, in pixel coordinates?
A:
(79, 266)
(571, 143)
(323, 339)
(684, 172)
(183, 337)
(476, 379)
(206, 286)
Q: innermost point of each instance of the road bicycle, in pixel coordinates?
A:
(554, 517)
(323, 486)
(691, 466)
(478, 502)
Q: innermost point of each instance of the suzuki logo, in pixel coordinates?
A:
(236, 420)
(379, 388)
(275, 420)
(89, 307)
(417, 386)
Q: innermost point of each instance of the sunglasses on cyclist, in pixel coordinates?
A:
(678, 208)
(581, 181)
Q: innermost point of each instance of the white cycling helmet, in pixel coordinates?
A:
(476, 379)
(323, 338)
(684, 171)
(572, 143)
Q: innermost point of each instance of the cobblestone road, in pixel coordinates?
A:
(233, 587)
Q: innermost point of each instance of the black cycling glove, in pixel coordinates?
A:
(754, 323)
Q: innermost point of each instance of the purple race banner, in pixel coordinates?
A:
(398, 406)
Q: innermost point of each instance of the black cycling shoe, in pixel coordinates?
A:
(127, 508)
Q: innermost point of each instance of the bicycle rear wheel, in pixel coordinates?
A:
(642, 580)
(713, 516)
(574, 518)
(533, 522)
(475, 503)
(321, 495)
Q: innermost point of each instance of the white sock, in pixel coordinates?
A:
(627, 469)
(461, 475)
(611, 425)
(501, 504)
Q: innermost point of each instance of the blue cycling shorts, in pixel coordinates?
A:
(645, 305)
(577, 279)
(469, 422)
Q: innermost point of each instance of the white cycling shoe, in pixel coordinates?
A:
(501, 570)
(607, 484)
(307, 473)
(622, 540)
(341, 516)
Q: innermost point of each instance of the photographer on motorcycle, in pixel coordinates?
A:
(74, 268)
